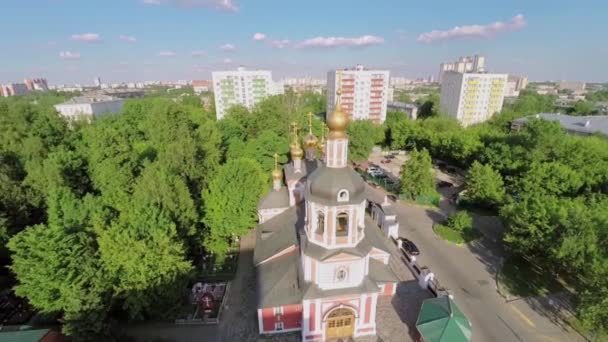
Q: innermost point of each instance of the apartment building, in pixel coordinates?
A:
(515, 84)
(472, 97)
(242, 87)
(475, 63)
(36, 84)
(364, 92)
(13, 89)
(89, 107)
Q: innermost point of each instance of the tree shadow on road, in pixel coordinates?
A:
(407, 301)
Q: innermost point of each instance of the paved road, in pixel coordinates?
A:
(469, 273)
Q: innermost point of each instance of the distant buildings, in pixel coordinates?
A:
(13, 89)
(463, 64)
(410, 109)
(515, 84)
(97, 82)
(201, 86)
(364, 92)
(582, 125)
(89, 107)
(472, 97)
(36, 84)
(242, 87)
(571, 85)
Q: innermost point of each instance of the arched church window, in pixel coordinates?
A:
(320, 223)
(342, 226)
(343, 196)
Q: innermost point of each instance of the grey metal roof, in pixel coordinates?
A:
(276, 234)
(90, 99)
(380, 272)
(589, 124)
(366, 286)
(275, 199)
(402, 105)
(307, 167)
(278, 281)
(326, 182)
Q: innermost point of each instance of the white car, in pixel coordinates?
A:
(375, 172)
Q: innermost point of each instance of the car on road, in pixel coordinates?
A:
(407, 246)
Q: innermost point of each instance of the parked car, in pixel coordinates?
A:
(385, 161)
(444, 184)
(390, 156)
(407, 246)
(375, 172)
(451, 169)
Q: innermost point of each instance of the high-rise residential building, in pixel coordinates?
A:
(514, 85)
(364, 92)
(13, 89)
(242, 87)
(97, 81)
(571, 85)
(472, 97)
(36, 84)
(475, 63)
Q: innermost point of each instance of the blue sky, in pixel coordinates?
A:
(70, 41)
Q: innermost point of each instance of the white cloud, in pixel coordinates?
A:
(69, 55)
(228, 47)
(199, 53)
(275, 43)
(489, 30)
(259, 36)
(227, 60)
(222, 5)
(167, 54)
(330, 42)
(86, 37)
(129, 39)
(279, 44)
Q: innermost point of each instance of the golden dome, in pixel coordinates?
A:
(296, 152)
(294, 147)
(276, 173)
(337, 121)
(321, 143)
(310, 141)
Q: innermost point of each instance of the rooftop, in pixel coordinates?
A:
(589, 124)
(90, 99)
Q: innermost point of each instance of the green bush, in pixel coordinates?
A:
(460, 221)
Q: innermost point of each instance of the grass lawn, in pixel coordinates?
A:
(521, 278)
(591, 336)
(454, 236)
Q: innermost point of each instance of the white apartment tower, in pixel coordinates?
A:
(364, 93)
(242, 87)
(472, 97)
(475, 63)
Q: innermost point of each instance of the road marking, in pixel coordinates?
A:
(524, 317)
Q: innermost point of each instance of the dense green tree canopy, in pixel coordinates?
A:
(362, 136)
(417, 178)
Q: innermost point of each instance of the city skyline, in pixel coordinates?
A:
(138, 40)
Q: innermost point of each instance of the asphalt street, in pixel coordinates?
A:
(469, 272)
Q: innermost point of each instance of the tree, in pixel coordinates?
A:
(484, 186)
(460, 221)
(363, 135)
(230, 203)
(417, 175)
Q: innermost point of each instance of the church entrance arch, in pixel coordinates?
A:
(340, 323)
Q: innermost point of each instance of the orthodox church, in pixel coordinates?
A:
(321, 261)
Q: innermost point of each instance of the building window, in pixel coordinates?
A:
(278, 326)
(277, 310)
(342, 226)
(342, 196)
(320, 222)
(341, 274)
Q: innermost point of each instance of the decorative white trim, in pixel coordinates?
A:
(342, 195)
(260, 321)
(282, 331)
